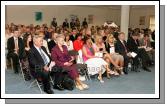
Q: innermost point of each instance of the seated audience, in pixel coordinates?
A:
(8, 34)
(68, 43)
(46, 33)
(52, 42)
(61, 57)
(100, 48)
(15, 47)
(153, 39)
(78, 43)
(121, 48)
(95, 64)
(110, 48)
(45, 43)
(73, 35)
(39, 61)
(133, 46)
(27, 38)
(145, 42)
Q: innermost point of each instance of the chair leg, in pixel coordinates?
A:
(51, 80)
(39, 87)
(87, 75)
(32, 84)
(21, 71)
(37, 83)
(11, 61)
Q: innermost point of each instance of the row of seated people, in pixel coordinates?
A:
(32, 51)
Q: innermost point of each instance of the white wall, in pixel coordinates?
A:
(135, 16)
(26, 14)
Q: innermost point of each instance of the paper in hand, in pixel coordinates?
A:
(133, 54)
(98, 54)
(51, 65)
(112, 50)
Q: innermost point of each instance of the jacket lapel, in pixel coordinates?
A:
(38, 55)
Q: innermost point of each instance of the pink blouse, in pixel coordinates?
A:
(89, 52)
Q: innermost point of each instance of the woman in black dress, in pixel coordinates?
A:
(27, 38)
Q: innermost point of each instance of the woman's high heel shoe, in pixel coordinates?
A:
(85, 86)
(108, 76)
(111, 72)
(100, 79)
(79, 87)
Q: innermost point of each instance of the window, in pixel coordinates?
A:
(152, 22)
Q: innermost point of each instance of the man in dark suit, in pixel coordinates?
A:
(145, 41)
(72, 24)
(15, 48)
(54, 23)
(52, 43)
(65, 24)
(73, 36)
(133, 46)
(84, 23)
(121, 48)
(39, 61)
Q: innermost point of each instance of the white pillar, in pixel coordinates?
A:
(125, 19)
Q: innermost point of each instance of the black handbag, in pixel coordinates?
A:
(67, 82)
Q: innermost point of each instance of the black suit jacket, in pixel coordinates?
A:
(132, 46)
(51, 44)
(72, 38)
(107, 46)
(65, 24)
(119, 47)
(84, 23)
(11, 47)
(35, 59)
(54, 23)
(72, 24)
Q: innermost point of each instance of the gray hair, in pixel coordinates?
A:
(36, 37)
(59, 36)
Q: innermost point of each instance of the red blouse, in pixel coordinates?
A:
(78, 44)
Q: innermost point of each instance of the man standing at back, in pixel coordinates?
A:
(54, 23)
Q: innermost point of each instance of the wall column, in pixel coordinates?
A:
(125, 20)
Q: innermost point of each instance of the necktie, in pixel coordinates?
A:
(43, 57)
(124, 47)
(145, 43)
(16, 45)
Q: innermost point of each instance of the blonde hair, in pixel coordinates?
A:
(109, 36)
(97, 37)
(59, 36)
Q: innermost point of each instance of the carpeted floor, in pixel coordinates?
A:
(134, 83)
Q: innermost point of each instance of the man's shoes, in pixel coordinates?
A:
(16, 72)
(49, 91)
(125, 70)
(151, 63)
(146, 69)
(59, 87)
(28, 78)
